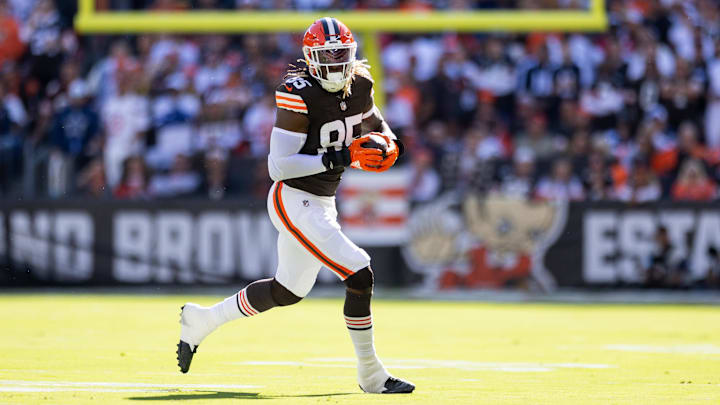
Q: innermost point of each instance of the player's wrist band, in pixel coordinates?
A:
(335, 158)
(400, 146)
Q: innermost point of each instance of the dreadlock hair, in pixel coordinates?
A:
(359, 67)
(296, 71)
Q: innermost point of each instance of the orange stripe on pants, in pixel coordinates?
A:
(285, 219)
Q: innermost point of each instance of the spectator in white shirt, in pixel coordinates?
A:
(561, 185)
(125, 120)
(174, 113)
(642, 186)
(181, 180)
(257, 124)
(519, 182)
(103, 77)
(424, 179)
(539, 139)
(214, 73)
(712, 114)
(650, 52)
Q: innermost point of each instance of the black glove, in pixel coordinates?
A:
(336, 158)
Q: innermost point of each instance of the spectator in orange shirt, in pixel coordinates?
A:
(689, 146)
(11, 47)
(693, 183)
(134, 181)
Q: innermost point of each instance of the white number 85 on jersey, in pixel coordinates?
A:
(335, 133)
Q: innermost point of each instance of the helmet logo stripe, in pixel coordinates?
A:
(326, 28)
(330, 24)
(335, 26)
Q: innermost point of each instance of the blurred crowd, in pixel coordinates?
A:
(631, 114)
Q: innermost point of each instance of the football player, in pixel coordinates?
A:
(325, 118)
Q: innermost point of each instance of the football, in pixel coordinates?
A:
(371, 141)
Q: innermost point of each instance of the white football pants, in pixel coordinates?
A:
(310, 238)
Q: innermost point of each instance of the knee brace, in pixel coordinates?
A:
(361, 282)
(281, 295)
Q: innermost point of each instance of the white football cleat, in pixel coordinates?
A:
(374, 378)
(392, 385)
(195, 326)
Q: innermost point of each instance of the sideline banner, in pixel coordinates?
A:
(451, 242)
(499, 241)
(612, 243)
(111, 242)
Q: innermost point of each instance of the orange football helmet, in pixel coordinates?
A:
(329, 49)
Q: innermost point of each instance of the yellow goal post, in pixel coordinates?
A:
(367, 23)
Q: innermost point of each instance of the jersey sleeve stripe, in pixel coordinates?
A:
(291, 102)
(292, 107)
(288, 96)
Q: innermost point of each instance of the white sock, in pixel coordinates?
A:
(371, 372)
(231, 308)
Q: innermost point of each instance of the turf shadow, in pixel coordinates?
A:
(334, 394)
(230, 395)
(199, 395)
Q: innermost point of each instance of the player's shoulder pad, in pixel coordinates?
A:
(363, 85)
(293, 94)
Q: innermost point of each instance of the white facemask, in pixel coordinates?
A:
(320, 63)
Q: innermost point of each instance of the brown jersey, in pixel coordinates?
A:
(334, 122)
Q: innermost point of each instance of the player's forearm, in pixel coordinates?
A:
(385, 129)
(285, 161)
(373, 121)
(292, 166)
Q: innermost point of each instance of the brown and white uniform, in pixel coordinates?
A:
(301, 202)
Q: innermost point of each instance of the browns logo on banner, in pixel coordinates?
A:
(489, 241)
(373, 207)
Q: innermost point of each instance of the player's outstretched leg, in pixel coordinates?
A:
(197, 321)
(372, 375)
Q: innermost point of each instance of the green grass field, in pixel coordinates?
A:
(110, 349)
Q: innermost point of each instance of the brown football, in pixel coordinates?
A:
(374, 142)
